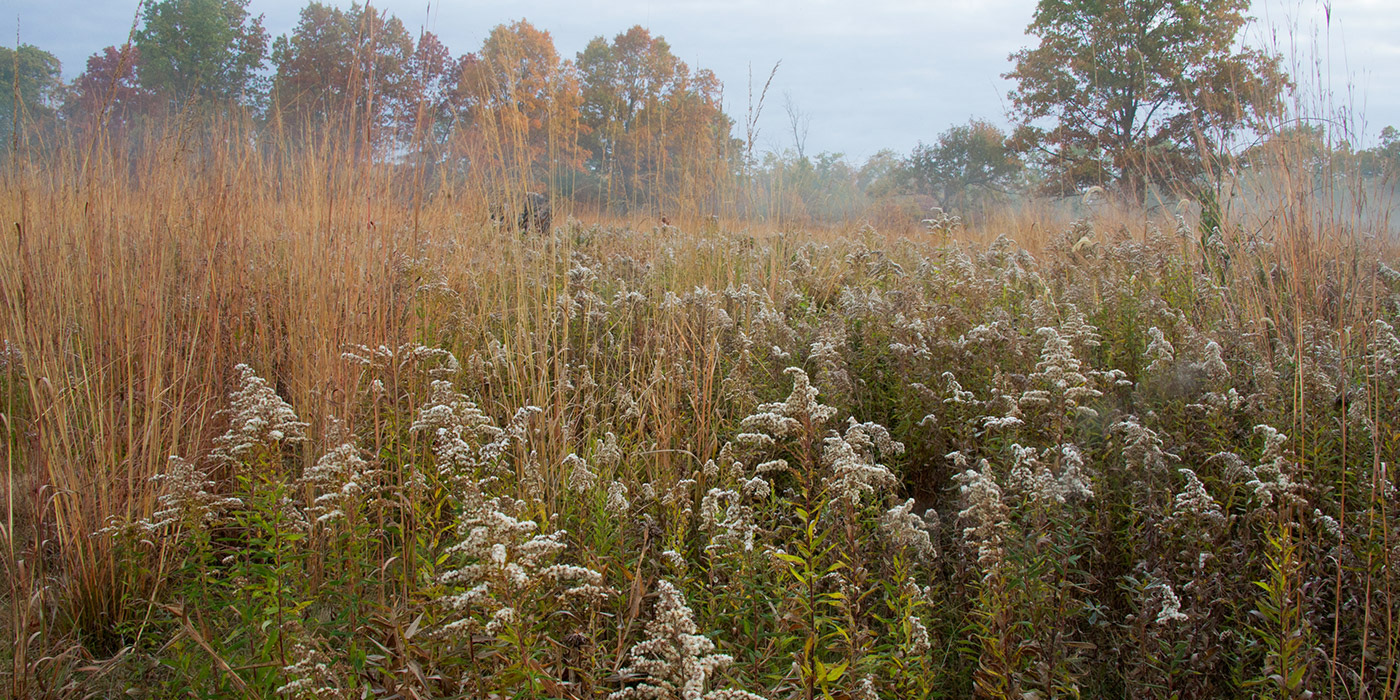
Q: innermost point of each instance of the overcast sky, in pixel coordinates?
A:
(868, 74)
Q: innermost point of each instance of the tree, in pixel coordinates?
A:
(650, 125)
(881, 175)
(1137, 92)
(35, 73)
(432, 74)
(967, 163)
(1383, 159)
(201, 49)
(109, 91)
(353, 65)
(523, 102)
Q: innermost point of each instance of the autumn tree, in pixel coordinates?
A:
(651, 125)
(345, 68)
(523, 104)
(967, 163)
(210, 50)
(1137, 92)
(108, 92)
(32, 75)
(432, 75)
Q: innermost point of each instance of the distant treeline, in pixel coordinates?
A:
(626, 127)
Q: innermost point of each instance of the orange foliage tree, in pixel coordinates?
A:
(522, 104)
(654, 130)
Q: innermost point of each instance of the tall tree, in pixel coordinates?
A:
(523, 102)
(345, 64)
(202, 49)
(108, 89)
(35, 73)
(432, 78)
(1134, 92)
(647, 117)
(967, 163)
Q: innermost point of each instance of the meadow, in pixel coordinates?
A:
(280, 422)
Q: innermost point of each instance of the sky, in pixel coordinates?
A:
(863, 75)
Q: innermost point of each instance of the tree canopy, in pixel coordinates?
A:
(967, 162)
(1137, 92)
(205, 49)
(645, 114)
(109, 89)
(36, 75)
(347, 63)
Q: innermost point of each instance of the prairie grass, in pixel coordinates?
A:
(279, 420)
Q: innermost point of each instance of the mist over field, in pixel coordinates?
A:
(338, 363)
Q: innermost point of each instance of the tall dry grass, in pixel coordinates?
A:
(135, 281)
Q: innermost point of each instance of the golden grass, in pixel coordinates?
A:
(132, 282)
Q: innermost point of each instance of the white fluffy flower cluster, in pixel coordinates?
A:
(466, 444)
(187, 499)
(1171, 606)
(1142, 447)
(905, 530)
(1272, 480)
(581, 478)
(728, 518)
(851, 461)
(406, 356)
(1159, 353)
(984, 516)
(339, 478)
(464, 437)
(1193, 504)
(258, 417)
(313, 674)
(1058, 370)
(504, 559)
(673, 662)
(1034, 476)
(787, 418)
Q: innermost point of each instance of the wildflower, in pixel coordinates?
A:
(581, 479)
(258, 417)
(1327, 524)
(617, 498)
(1058, 371)
(782, 419)
(1142, 446)
(865, 690)
(984, 514)
(1073, 482)
(1271, 479)
(1171, 606)
(500, 620)
(1213, 365)
(313, 674)
(464, 438)
(907, 531)
(1077, 328)
(606, 452)
(407, 356)
(189, 498)
(340, 476)
(918, 636)
(1159, 353)
(674, 662)
(854, 472)
(956, 393)
(1193, 503)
